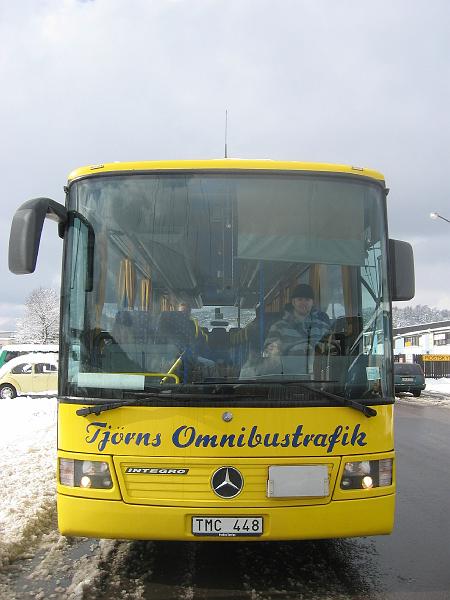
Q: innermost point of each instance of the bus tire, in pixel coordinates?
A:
(416, 393)
(7, 391)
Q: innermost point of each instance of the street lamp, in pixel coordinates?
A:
(435, 215)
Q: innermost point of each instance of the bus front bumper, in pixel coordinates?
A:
(115, 519)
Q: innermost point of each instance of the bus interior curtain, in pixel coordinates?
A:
(314, 281)
(261, 306)
(347, 290)
(146, 291)
(102, 250)
(320, 283)
(126, 284)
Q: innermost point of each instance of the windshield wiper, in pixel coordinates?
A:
(217, 394)
(98, 408)
(368, 411)
(166, 395)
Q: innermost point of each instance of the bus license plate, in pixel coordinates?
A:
(227, 526)
(407, 378)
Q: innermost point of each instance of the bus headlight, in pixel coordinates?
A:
(367, 474)
(84, 473)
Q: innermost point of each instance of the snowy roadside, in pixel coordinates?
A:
(27, 468)
(438, 385)
(436, 393)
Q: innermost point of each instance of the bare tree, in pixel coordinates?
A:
(40, 324)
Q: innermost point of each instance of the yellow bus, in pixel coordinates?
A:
(196, 401)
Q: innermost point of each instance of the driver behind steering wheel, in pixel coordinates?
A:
(303, 329)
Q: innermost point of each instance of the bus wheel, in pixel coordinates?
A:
(7, 391)
(416, 393)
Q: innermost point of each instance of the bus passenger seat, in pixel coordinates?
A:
(219, 345)
(133, 326)
(174, 327)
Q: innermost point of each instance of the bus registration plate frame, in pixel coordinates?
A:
(220, 526)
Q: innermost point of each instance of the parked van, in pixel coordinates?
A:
(12, 350)
(409, 377)
(29, 374)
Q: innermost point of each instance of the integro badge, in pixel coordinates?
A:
(155, 471)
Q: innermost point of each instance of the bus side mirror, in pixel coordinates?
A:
(401, 267)
(26, 229)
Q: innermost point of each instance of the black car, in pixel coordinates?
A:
(408, 377)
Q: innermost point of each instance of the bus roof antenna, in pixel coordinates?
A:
(226, 133)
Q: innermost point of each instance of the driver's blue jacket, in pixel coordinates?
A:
(298, 336)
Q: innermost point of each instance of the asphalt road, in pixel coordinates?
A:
(415, 560)
(412, 563)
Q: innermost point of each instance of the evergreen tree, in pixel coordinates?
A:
(418, 315)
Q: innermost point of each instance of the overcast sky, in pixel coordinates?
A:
(362, 83)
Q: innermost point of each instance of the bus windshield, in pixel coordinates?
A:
(181, 280)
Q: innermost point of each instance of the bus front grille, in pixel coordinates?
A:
(188, 482)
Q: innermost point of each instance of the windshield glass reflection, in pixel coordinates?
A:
(198, 279)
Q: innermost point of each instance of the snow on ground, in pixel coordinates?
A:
(27, 468)
(436, 393)
(438, 385)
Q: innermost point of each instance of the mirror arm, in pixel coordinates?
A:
(56, 212)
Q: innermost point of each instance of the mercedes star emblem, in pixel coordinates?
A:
(227, 482)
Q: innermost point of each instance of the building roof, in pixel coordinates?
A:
(423, 327)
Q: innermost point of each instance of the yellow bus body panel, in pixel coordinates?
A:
(197, 441)
(117, 520)
(223, 164)
(174, 431)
